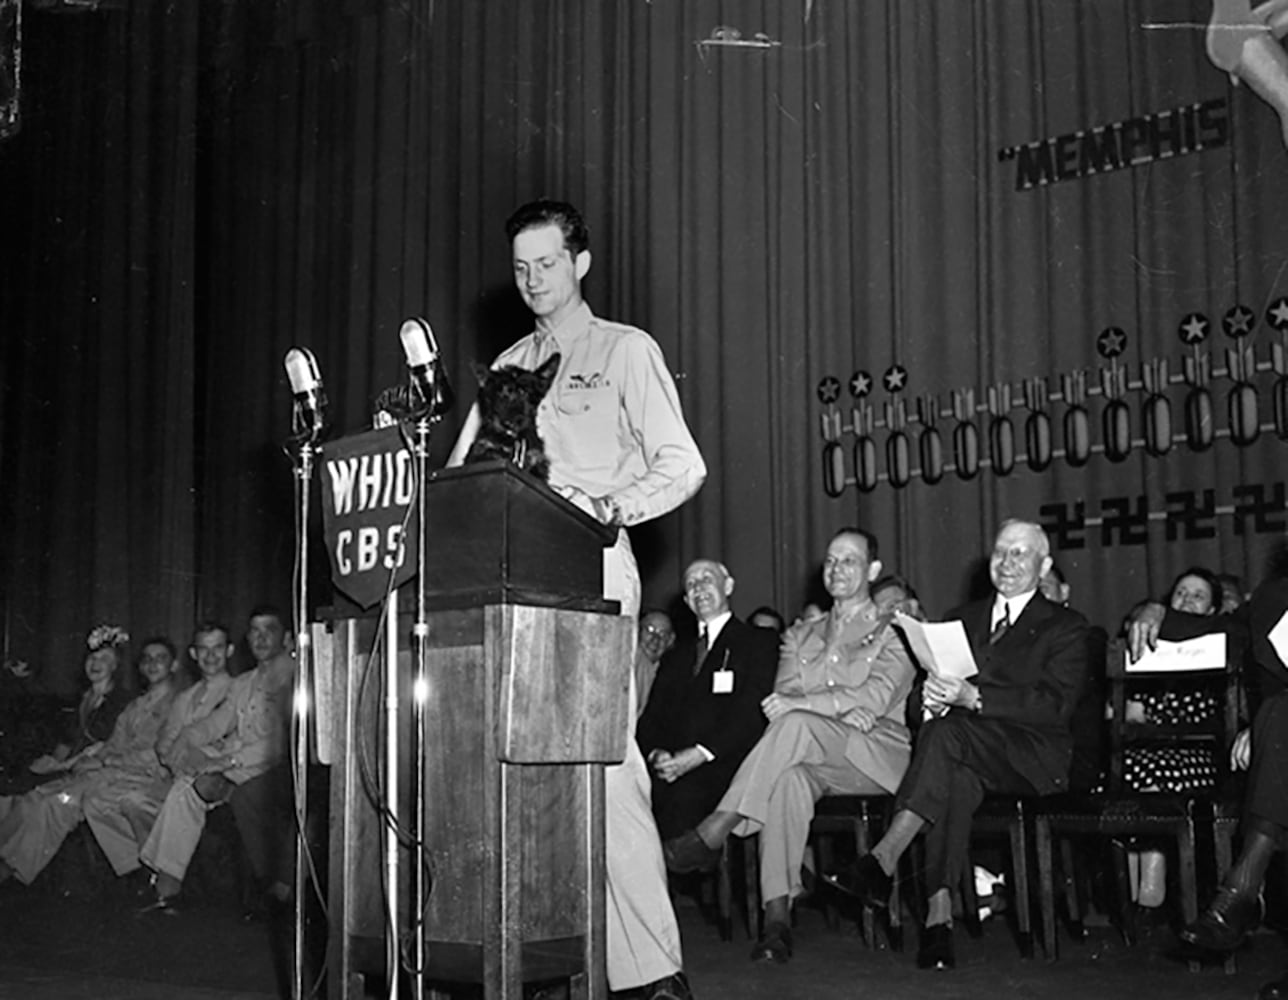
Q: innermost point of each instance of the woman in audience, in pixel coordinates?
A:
(1173, 769)
(36, 824)
(103, 700)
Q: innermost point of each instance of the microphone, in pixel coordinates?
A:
(310, 398)
(425, 368)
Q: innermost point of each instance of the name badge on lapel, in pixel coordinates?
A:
(722, 679)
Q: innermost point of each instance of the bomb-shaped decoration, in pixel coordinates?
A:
(965, 434)
(1158, 408)
(898, 457)
(866, 472)
(1001, 432)
(1116, 418)
(930, 443)
(833, 469)
(1077, 422)
(1242, 404)
(1037, 425)
(1277, 318)
(1200, 425)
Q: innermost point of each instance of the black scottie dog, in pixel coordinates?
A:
(508, 400)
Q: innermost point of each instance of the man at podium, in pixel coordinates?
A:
(620, 449)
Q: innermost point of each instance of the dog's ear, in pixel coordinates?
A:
(548, 370)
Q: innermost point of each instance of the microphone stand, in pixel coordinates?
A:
(305, 449)
(420, 693)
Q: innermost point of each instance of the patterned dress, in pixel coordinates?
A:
(1176, 769)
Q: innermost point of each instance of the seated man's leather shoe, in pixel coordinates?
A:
(673, 987)
(865, 881)
(775, 945)
(1278, 990)
(1226, 923)
(689, 853)
(935, 950)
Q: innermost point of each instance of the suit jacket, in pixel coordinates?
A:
(683, 709)
(1031, 679)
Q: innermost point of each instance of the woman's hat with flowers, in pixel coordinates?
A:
(106, 636)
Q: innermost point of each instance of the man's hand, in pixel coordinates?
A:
(939, 694)
(780, 704)
(860, 718)
(1142, 631)
(669, 766)
(1241, 751)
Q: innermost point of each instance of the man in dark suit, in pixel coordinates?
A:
(1006, 730)
(703, 713)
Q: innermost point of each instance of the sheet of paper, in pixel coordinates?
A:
(1206, 652)
(941, 647)
(1279, 637)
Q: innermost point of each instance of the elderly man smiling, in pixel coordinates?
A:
(1007, 730)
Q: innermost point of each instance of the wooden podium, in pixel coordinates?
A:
(528, 672)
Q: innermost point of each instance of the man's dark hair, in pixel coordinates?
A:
(869, 539)
(270, 611)
(894, 580)
(545, 212)
(157, 640)
(210, 625)
(1204, 574)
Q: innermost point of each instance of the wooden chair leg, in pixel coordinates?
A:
(1223, 851)
(1187, 877)
(1072, 894)
(724, 894)
(751, 884)
(1046, 883)
(1020, 876)
(1122, 886)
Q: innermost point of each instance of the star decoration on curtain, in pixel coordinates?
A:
(1193, 329)
(860, 384)
(1277, 314)
(1238, 321)
(1111, 342)
(895, 378)
(829, 391)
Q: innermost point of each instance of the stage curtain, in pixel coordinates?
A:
(834, 199)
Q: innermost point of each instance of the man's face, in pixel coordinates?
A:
(212, 652)
(706, 589)
(266, 637)
(1192, 594)
(894, 598)
(547, 274)
(656, 635)
(1017, 562)
(155, 663)
(847, 569)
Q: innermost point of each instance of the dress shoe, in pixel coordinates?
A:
(1226, 923)
(673, 987)
(689, 853)
(865, 881)
(775, 945)
(1278, 990)
(935, 950)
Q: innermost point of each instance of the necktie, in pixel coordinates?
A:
(704, 647)
(1002, 625)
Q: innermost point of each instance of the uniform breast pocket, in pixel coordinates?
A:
(589, 417)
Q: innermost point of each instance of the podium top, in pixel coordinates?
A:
(497, 535)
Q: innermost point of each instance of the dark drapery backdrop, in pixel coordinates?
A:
(199, 186)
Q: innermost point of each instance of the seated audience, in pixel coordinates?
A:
(39, 822)
(836, 727)
(766, 617)
(120, 818)
(656, 636)
(1237, 907)
(704, 712)
(1007, 730)
(1232, 595)
(242, 738)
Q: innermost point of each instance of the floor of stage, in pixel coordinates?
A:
(66, 947)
